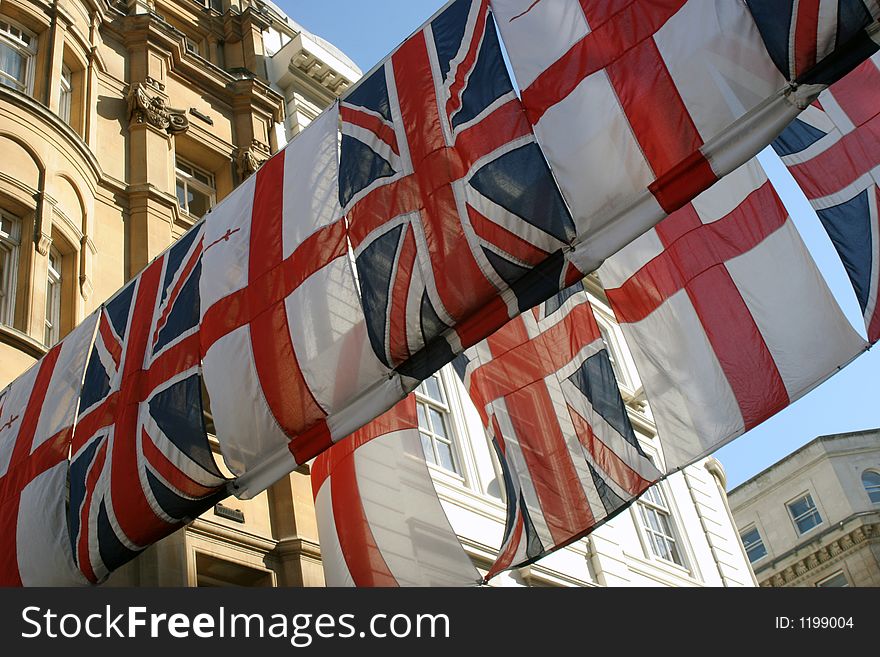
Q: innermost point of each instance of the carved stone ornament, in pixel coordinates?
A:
(144, 108)
(248, 161)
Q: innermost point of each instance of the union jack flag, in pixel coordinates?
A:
(802, 33)
(450, 201)
(141, 465)
(547, 393)
(833, 151)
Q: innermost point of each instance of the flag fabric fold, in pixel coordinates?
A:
(726, 315)
(449, 199)
(833, 151)
(140, 463)
(37, 413)
(281, 309)
(379, 518)
(640, 105)
(548, 397)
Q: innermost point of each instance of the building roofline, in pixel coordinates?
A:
(818, 439)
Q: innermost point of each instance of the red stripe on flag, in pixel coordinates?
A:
(110, 340)
(854, 155)
(508, 552)
(654, 108)
(688, 253)
(515, 246)
(170, 472)
(521, 361)
(289, 397)
(462, 72)
(84, 557)
(695, 260)
(374, 124)
(607, 460)
(806, 35)
(365, 562)
(858, 93)
(553, 474)
(399, 295)
(25, 465)
(874, 320)
(135, 516)
(609, 40)
(400, 417)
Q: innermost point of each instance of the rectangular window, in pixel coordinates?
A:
(838, 579)
(754, 545)
(53, 299)
(17, 49)
(10, 232)
(804, 513)
(195, 189)
(659, 526)
(435, 424)
(66, 94)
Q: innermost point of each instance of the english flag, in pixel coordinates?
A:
(726, 315)
(140, 462)
(280, 309)
(833, 151)
(640, 105)
(379, 518)
(547, 394)
(37, 413)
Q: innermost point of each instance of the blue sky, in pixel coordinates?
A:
(367, 31)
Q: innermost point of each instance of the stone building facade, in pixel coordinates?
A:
(813, 518)
(122, 123)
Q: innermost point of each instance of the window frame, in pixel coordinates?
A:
(665, 509)
(794, 519)
(444, 409)
(54, 287)
(26, 48)
(10, 247)
(822, 583)
(189, 179)
(753, 528)
(875, 486)
(65, 99)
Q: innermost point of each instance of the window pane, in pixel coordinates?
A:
(836, 580)
(181, 194)
(428, 448)
(804, 513)
(423, 418)
(12, 63)
(871, 482)
(438, 423)
(754, 545)
(197, 203)
(444, 451)
(430, 387)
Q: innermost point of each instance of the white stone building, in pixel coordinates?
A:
(813, 518)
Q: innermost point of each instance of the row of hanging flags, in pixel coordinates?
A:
(455, 224)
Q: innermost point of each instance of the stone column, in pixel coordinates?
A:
(295, 527)
(151, 183)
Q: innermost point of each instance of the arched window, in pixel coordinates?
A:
(10, 233)
(52, 330)
(17, 50)
(871, 482)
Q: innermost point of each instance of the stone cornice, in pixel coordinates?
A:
(820, 557)
(298, 547)
(21, 341)
(142, 29)
(57, 127)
